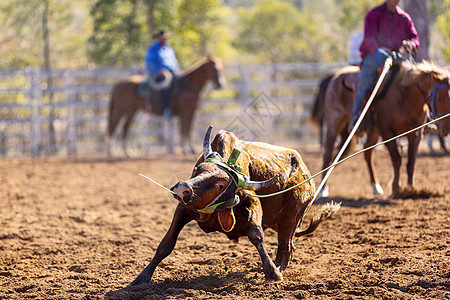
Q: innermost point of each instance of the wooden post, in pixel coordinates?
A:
(37, 109)
(71, 130)
(33, 122)
(418, 11)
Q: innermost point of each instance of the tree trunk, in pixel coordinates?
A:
(418, 10)
(151, 17)
(47, 68)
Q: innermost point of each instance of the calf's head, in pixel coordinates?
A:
(207, 183)
(214, 182)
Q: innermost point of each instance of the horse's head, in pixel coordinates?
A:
(439, 94)
(214, 70)
(441, 105)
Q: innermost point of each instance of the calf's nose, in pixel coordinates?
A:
(182, 191)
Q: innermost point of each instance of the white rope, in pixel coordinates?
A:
(158, 184)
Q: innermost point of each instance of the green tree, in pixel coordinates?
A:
(353, 13)
(22, 40)
(123, 29)
(119, 28)
(278, 32)
(202, 29)
(443, 23)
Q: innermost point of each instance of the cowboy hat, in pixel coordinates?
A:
(160, 34)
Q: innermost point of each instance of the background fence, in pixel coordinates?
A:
(64, 112)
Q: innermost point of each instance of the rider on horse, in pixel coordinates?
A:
(387, 28)
(161, 64)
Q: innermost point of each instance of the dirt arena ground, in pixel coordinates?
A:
(83, 229)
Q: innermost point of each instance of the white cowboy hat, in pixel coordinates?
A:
(160, 84)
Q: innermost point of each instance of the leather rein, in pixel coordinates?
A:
(431, 97)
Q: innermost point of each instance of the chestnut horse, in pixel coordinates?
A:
(397, 109)
(125, 101)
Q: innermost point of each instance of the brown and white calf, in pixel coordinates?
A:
(214, 197)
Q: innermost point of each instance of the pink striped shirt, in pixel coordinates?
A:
(385, 29)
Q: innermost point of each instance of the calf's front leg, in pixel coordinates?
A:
(181, 217)
(256, 237)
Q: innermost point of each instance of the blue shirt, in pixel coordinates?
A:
(159, 58)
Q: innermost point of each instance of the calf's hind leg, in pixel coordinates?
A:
(286, 247)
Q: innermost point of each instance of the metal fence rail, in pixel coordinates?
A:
(64, 112)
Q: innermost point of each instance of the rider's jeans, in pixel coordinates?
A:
(367, 75)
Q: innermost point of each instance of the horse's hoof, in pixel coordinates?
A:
(325, 192)
(377, 190)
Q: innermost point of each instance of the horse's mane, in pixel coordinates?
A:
(420, 71)
(197, 64)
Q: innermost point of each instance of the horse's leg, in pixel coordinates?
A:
(330, 139)
(185, 129)
(396, 163)
(442, 143)
(114, 118)
(186, 117)
(344, 135)
(126, 128)
(372, 138)
(413, 147)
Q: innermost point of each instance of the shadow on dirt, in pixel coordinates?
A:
(183, 288)
(356, 203)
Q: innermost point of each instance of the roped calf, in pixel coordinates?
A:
(223, 196)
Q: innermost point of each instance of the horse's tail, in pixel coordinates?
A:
(317, 114)
(318, 109)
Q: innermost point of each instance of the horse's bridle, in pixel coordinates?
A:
(432, 94)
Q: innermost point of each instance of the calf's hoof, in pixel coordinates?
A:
(139, 280)
(274, 275)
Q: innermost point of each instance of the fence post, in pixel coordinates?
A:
(69, 96)
(36, 98)
(33, 141)
(37, 101)
(244, 86)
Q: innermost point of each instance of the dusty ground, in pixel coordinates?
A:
(84, 229)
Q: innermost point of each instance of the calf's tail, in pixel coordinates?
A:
(319, 215)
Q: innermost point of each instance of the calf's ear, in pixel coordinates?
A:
(227, 219)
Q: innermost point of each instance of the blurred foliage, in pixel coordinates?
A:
(197, 27)
(21, 38)
(117, 32)
(118, 28)
(201, 28)
(443, 24)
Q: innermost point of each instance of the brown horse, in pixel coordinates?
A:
(333, 110)
(125, 101)
(401, 107)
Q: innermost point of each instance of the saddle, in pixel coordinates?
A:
(398, 59)
(159, 99)
(351, 82)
